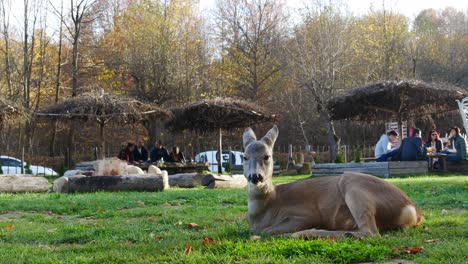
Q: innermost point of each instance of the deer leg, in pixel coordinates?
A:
(363, 211)
(317, 233)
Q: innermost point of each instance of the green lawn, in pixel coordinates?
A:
(133, 227)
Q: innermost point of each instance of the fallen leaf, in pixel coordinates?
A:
(192, 225)
(413, 250)
(431, 240)
(178, 223)
(255, 238)
(155, 237)
(208, 241)
(444, 211)
(99, 210)
(8, 227)
(147, 230)
(328, 239)
(129, 243)
(52, 230)
(188, 249)
(396, 251)
(166, 204)
(151, 219)
(140, 203)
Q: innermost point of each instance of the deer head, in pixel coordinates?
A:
(258, 158)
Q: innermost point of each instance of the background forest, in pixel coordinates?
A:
(169, 53)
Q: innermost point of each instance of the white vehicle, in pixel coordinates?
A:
(12, 165)
(210, 157)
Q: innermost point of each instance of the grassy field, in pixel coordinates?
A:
(133, 227)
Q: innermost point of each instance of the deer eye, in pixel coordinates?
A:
(267, 157)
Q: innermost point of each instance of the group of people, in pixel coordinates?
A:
(414, 148)
(139, 154)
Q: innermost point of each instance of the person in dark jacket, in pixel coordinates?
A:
(140, 154)
(434, 142)
(159, 152)
(127, 153)
(176, 155)
(457, 142)
(412, 148)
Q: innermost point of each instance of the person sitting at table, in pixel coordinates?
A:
(140, 153)
(458, 143)
(435, 144)
(159, 153)
(126, 153)
(412, 148)
(176, 155)
(383, 149)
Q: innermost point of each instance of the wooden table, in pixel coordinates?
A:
(174, 167)
(440, 156)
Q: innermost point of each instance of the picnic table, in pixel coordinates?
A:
(176, 167)
(442, 158)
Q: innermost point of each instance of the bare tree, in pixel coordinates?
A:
(250, 34)
(318, 59)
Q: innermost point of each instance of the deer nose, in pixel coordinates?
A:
(255, 178)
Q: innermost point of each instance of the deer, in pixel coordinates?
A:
(351, 205)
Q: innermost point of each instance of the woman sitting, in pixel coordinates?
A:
(176, 155)
(126, 153)
(434, 144)
(456, 149)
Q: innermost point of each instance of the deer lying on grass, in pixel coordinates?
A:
(354, 204)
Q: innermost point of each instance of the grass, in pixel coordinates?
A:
(138, 227)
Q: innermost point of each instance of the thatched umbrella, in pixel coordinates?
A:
(102, 108)
(10, 111)
(401, 99)
(218, 114)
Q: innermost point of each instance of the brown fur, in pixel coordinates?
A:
(353, 204)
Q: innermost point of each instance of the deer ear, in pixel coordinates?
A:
(248, 137)
(271, 136)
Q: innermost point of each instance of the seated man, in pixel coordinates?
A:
(176, 155)
(140, 153)
(383, 148)
(159, 152)
(412, 148)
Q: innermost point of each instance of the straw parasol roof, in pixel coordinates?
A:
(401, 99)
(10, 111)
(103, 108)
(218, 114)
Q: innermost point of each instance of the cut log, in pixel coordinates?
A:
(237, 184)
(185, 180)
(80, 183)
(21, 183)
(213, 177)
(165, 177)
(132, 169)
(153, 170)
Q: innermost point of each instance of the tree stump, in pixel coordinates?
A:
(20, 183)
(185, 180)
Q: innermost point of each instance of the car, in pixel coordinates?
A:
(12, 165)
(210, 157)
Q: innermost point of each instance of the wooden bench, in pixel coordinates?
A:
(457, 167)
(381, 169)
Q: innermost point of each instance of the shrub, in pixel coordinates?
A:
(339, 158)
(358, 157)
(27, 168)
(299, 158)
(62, 169)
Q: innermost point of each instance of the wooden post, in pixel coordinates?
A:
(220, 152)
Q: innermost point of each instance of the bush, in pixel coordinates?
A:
(305, 169)
(62, 169)
(27, 168)
(339, 158)
(299, 158)
(358, 157)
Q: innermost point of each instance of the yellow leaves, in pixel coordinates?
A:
(8, 227)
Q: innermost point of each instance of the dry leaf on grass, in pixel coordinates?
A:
(208, 241)
(166, 204)
(52, 230)
(140, 203)
(151, 219)
(99, 210)
(188, 249)
(129, 243)
(8, 227)
(255, 238)
(431, 240)
(396, 250)
(192, 225)
(155, 237)
(413, 250)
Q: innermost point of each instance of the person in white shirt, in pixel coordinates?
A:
(383, 149)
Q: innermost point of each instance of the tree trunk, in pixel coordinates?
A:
(220, 152)
(103, 143)
(333, 139)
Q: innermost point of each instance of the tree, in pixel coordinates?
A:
(250, 33)
(319, 59)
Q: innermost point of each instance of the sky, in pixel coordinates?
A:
(410, 8)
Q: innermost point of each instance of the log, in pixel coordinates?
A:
(214, 177)
(20, 183)
(185, 180)
(81, 183)
(227, 184)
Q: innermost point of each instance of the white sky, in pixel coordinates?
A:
(410, 8)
